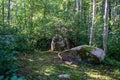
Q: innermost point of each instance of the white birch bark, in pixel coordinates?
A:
(80, 4)
(80, 9)
(8, 17)
(3, 12)
(77, 6)
(93, 22)
(105, 33)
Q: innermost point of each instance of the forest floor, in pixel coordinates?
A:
(42, 66)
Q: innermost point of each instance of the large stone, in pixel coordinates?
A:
(68, 55)
(99, 53)
(83, 53)
(60, 43)
(91, 54)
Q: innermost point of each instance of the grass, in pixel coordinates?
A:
(42, 66)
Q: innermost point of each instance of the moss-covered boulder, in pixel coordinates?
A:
(83, 53)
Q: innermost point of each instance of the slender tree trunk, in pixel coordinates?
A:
(115, 13)
(25, 13)
(66, 6)
(31, 13)
(8, 18)
(109, 14)
(93, 22)
(3, 12)
(80, 9)
(16, 14)
(77, 6)
(67, 13)
(105, 33)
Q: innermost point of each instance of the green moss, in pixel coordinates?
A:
(86, 55)
(82, 54)
(40, 66)
(89, 48)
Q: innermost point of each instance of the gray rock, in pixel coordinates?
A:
(83, 53)
(64, 76)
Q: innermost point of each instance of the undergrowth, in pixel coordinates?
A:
(42, 66)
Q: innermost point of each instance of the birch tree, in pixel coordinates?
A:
(8, 18)
(93, 22)
(31, 13)
(77, 6)
(3, 12)
(80, 7)
(105, 33)
(66, 10)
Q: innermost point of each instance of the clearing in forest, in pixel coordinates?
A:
(42, 66)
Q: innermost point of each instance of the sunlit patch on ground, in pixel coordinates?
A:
(41, 66)
(99, 76)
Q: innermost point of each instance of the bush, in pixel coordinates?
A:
(7, 57)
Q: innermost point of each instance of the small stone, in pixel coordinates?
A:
(64, 76)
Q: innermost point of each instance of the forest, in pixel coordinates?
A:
(59, 39)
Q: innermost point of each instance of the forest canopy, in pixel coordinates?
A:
(29, 25)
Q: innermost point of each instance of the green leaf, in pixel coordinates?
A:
(21, 78)
(14, 78)
(1, 77)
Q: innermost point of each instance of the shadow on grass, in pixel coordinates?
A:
(41, 66)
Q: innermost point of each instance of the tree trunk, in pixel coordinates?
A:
(80, 7)
(109, 14)
(105, 33)
(93, 22)
(25, 14)
(8, 18)
(66, 6)
(66, 10)
(80, 11)
(77, 6)
(3, 12)
(31, 13)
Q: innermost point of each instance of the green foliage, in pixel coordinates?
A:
(89, 48)
(47, 68)
(43, 43)
(114, 45)
(1, 77)
(23, 43)
(7, 56)
(34, 23)
(14, 77)
(111, 61)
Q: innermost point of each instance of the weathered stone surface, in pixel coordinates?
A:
(60, 43)
(99, 53)
(83, 53)
(64, 76)
(69, 56)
